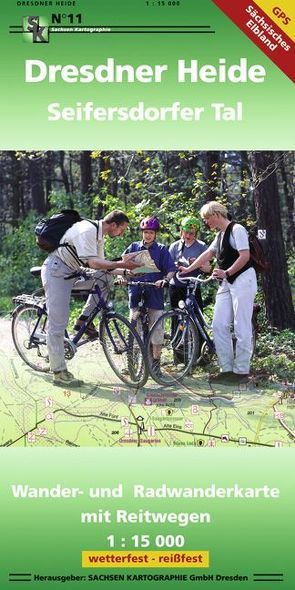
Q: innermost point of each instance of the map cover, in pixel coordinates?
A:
(138, 474)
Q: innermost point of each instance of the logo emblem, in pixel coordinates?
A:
(35, 29)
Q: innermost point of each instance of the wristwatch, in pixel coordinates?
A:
(227, 275)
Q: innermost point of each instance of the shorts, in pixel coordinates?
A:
(153, 315)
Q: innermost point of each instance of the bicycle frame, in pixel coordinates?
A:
(143, 313)
(199, 320)
(101, 305)
(106, 309)
(194, 311)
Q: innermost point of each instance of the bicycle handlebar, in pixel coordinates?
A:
(138, 283)
(181, 278)
(141, 283)
(198, 279)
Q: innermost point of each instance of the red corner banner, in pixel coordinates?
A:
(263, 31)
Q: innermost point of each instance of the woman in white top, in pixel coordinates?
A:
(235, 296)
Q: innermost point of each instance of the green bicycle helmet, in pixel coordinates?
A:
(190, 222)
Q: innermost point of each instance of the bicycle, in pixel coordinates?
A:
(140, 316)
(140, 320)
(187, 337)
(121, 344)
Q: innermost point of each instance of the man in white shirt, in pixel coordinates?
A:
(83, 245)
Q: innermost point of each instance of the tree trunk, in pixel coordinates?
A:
(275, 281)
(86, 173)
(49, 175)
(17, 188)
(63, 171)
(104, 165)
(36, 182)
(289, 196)
(71, 172)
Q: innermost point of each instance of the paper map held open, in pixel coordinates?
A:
(144, 259)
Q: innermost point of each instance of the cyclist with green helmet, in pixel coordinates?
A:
(184, 252)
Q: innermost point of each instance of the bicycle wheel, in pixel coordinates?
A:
(179, 350)
(29, 336)
(124, 350)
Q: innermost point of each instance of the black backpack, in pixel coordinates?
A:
(49, 231)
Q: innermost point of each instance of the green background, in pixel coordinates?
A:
(45, 536)
(268, 107)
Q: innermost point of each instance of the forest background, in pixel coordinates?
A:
(257, 188)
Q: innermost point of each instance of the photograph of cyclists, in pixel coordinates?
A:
(147, 298)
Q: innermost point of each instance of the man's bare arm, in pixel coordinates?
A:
(102, 264)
